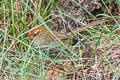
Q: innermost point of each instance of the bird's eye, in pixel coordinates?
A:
(36, 33)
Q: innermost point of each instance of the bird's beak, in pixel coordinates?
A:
(31, 37)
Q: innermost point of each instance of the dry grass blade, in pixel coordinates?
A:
(83, 28)
(90, 25)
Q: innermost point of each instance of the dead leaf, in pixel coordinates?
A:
(118, 32)
(54, 75)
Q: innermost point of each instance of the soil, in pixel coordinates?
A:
(69, 7)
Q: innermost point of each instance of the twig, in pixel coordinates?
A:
(83, 28)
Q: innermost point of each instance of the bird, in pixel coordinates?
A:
(44, 37)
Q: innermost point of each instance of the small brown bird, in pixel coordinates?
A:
(44, 37)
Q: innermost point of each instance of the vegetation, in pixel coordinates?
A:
(92, 54)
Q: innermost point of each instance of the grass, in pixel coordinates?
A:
(97, 49)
